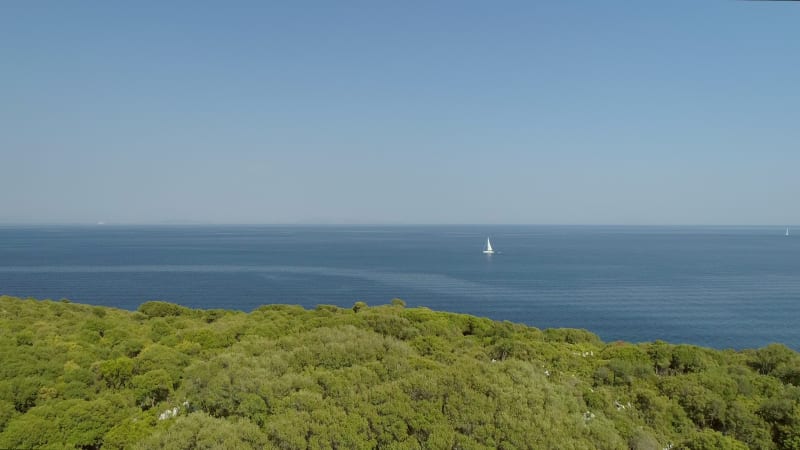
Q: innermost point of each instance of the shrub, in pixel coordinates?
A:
(162, 309)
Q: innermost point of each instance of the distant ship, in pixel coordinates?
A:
(488, 250)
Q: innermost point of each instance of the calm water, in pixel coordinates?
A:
(722, 287)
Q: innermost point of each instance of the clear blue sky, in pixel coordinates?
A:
(569, 112)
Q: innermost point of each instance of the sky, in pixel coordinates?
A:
(410, 112)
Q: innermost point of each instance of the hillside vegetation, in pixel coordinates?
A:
(387, 377)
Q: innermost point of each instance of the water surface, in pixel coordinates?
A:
(717, 286)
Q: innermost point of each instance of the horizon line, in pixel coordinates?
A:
(389, 224)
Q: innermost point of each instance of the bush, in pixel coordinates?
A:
(162, 309)
(152, 387)
(571, 336)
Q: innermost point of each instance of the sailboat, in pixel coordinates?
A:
(787, 231)
(488, 250)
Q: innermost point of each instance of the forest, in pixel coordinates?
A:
(371, 377)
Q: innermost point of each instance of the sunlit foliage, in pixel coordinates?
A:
(371, 377)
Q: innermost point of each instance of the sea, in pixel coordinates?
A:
(723, 287)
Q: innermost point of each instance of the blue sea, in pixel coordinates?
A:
(724, 287)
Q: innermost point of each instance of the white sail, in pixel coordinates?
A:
(488, 250)
(787, 231)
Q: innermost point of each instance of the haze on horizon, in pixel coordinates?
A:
(581, 112)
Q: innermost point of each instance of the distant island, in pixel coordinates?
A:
(371, 377)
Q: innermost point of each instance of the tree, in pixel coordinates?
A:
(162, 309)
(766, 360)
(116, 372)
(711, 440)
(151, 388)
(201, 431)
